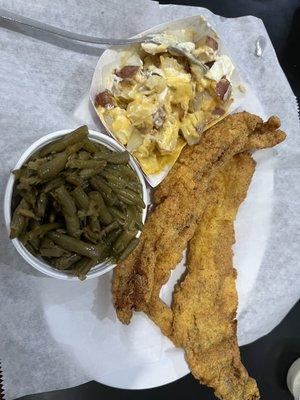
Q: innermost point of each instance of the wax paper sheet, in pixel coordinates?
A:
(56, 334)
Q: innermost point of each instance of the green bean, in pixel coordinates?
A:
(137, 216)
(92, 230)
(86, 164)
(112, 236)
(109, 228)
(47, 243)
(27, 213)
(135, 186)
(17, 173)
(69, 211)
(139, 225)
(74, 179)
(100, 208)
(90, 235)
(81, 198)
(22, 172)
(28, 195)
(65, 200)
(25, 183)
(89, 172)
(130, 247)
(125, 199)
(125, 171)
(31, 250)
(41, 205)
(18, 222)
(119, 216)
(82, 215)
(75, 245)
(134, 196)
(53, 184)
(100, 155)
(35, 243)
(32, 224)
(130, 197)
(15, 200)
(94, 224)
(52, 252)
(82, 267)
(132, 219)
(102, 149)
(77, 135)
(110, 199)
(104, 251)
(97, 184)
(112, 171)
(123, 240)
(52, 168)
(117, 181)
(73, 156)
(83, 155)
(115, 186)
(114, 179)
(40, 231)
(89, 146)
(67, 261)
(36, 164)
(71, 150)
(101, 185)
(114, 158)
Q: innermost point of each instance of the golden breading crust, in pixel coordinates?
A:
(202, 317)
(172, 224)
(205, 302)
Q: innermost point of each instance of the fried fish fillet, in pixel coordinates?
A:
(205, 302)
(155, 308)
(137, 280)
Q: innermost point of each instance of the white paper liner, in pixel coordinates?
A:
(57, 334)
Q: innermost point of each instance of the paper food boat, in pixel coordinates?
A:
(111, 59)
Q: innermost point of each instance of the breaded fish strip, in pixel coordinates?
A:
(173, 222)
(205, 302)
(155, 308)
(242, 131)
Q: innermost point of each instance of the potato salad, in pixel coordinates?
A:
(159, 101)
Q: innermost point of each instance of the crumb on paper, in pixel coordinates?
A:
(242, 88)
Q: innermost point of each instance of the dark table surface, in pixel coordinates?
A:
(269, 358)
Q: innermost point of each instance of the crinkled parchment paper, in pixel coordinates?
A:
(55, 334)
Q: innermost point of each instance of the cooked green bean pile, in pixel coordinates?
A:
(76, 203)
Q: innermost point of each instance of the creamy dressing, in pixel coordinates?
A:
(221, 67)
